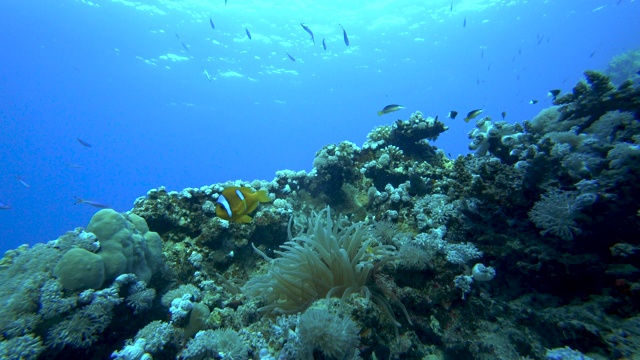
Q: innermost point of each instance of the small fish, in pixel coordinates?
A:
(637, 72)
(248, 33)
(452, 114)
(481, 53)
(178, 36)
(324, 44)
(21, 180)
(540, 40)
(306, 28)
(389, 109)
(225, 2)
(4, 206)
(212, 25)
(504, 115)
(206, 73)
(593, 53)
(344, 34)
(92, 203)
(84, 143)
(451, 7)
(464, 24)
(75, 166)
(184, 46)
(554, 93)
(236, 203)
(534, 101)
(472, 114)
(290, 57)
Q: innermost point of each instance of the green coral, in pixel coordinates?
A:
(624, 67)
(80, 269)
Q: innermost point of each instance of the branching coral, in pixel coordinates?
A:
(596, 96)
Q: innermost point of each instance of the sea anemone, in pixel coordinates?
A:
(328, 259)
(335, 336)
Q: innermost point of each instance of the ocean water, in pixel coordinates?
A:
(129, 79)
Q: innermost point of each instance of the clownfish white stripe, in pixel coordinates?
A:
(225, 204)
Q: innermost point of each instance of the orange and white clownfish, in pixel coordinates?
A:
(236, 203)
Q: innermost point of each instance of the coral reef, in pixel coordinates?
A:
(527, 249)
(624, 67)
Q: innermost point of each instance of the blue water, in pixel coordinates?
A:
(114, 74)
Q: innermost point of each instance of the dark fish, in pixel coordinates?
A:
(520, 51)
(4, 206)
(290, 57)
(504, 115)
(344, 34)
(212, 25)
(178, 36)
(184, 46)
(389, 109)
(451, 8)
(84, 143)
(554, 93)
(638, 72)
(92, 203)
(225, 2)
(472, 114)
(591, 55)
(534, 101)
(324, 44)
(540, 40)
(21, 180)
(453, 114)
(248, 33)
(464, 24)
(482, 53)
(306, 28)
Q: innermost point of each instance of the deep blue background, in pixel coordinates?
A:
(71, 69)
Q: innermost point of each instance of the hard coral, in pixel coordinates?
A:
(595, 97)
(411, 135)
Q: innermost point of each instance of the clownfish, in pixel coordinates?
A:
(236, 203)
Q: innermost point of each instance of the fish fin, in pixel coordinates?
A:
(263, 196)
(245, 219)
(380, 113)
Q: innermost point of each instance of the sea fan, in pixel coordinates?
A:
(557, 210)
